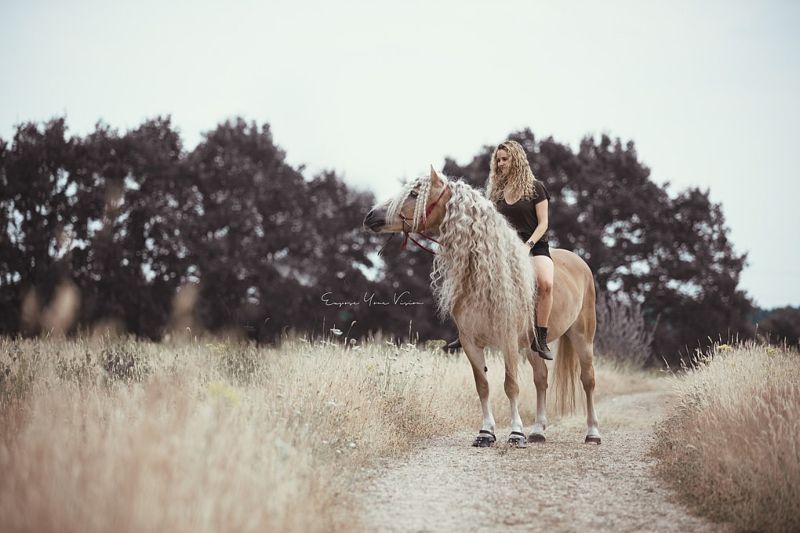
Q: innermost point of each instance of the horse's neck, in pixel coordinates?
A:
(463, 228)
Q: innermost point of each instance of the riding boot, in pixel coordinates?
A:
(453, 346)
(540, 344)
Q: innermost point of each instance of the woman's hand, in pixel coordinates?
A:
(541, 215)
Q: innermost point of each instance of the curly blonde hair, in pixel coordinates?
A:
(519, 175)
(483, 266)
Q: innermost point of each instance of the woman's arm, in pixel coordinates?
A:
(541, 216)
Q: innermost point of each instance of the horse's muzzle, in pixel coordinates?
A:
(374, 221)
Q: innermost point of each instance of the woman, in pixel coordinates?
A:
(524, 200)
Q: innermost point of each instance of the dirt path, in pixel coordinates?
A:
(562, 485)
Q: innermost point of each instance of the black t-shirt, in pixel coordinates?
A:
(522, 213)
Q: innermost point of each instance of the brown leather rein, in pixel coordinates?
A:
(407, 234)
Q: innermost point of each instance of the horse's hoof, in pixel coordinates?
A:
(536, 437)
(517, 440)
(592, 439)
(484, 439)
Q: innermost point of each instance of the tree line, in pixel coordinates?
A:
(130, 218)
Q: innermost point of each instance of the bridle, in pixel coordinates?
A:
(407, 232)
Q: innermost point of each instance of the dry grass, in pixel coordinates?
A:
(731, 447)
(622, 333)
(103, 434)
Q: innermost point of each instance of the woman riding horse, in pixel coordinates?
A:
(524, 201)
(483, 276)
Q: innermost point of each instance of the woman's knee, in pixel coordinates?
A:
(544, 285)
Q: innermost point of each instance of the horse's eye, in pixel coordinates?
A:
(413, 194)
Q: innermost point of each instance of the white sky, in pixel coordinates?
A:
(378, 90)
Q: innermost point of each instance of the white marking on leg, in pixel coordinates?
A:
(516, 420)
(488, 419)
(586, 353)
(593, 429)
(511, 386)
(540, 424)
(477, 360)
(540, 380)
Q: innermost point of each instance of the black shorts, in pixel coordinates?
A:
(541, 248)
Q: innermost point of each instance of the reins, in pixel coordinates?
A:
(407, 234)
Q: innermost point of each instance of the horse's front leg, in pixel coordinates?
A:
(477, 360)
(540, 380)
(517, 437)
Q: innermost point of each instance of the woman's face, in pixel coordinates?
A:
(502, 161)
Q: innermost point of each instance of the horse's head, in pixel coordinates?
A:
(418, 208)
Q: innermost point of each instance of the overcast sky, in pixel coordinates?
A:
(376, 91)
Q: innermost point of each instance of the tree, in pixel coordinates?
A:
(134, 260)
(247, 229)
(338, 261)
(38, 216)
(267, 243)
(131, 217)
(782, 324)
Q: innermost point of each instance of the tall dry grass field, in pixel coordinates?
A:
(732, 446)
(120, 435)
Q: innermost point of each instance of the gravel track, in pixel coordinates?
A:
(560, 485)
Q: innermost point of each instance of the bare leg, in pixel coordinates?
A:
(544, 289)
(540, 380)
(544, 303)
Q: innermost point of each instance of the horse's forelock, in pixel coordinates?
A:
(421, 200)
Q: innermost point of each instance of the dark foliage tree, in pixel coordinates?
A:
(340, 261)
(247, 229)
(406, 277)
(268, 244)
(135, 208)
(38, 215)
(782, 324)
(131, 217)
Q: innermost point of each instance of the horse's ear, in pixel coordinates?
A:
(435, 178)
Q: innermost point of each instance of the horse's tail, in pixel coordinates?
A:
(564, 376)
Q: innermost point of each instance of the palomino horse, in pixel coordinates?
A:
(484, 278)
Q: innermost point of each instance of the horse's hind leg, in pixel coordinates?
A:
(585, 350)
(540, 380)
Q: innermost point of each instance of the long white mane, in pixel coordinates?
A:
(481, 265)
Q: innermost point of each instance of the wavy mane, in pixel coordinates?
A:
(483, 267)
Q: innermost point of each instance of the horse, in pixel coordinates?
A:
(484, 279)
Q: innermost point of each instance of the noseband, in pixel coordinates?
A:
(407, 232)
